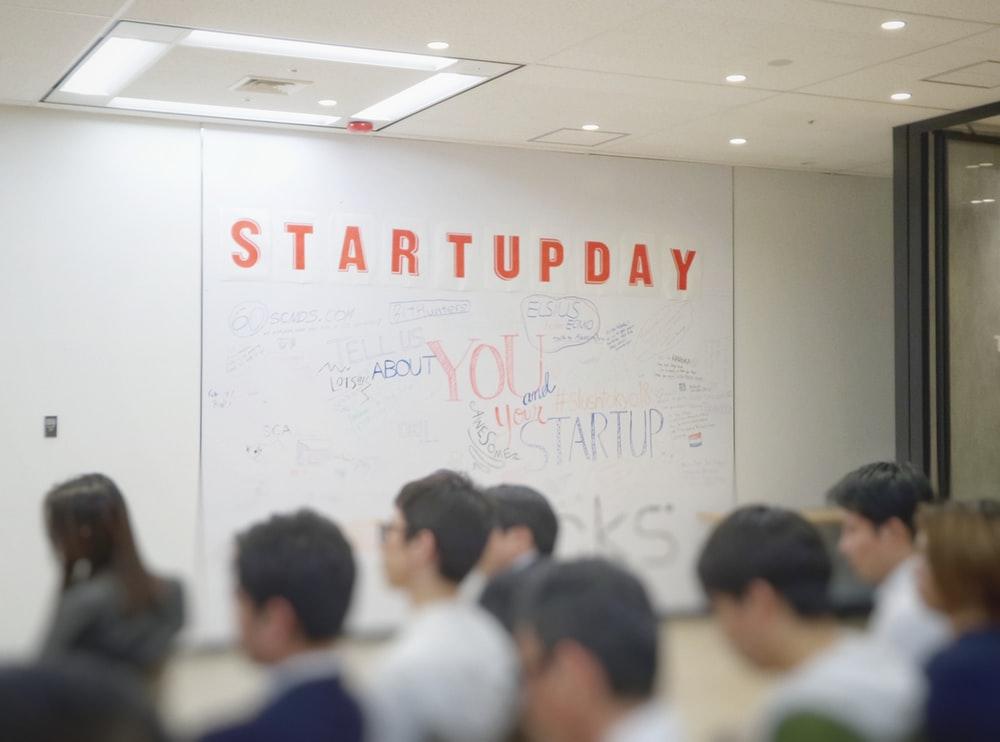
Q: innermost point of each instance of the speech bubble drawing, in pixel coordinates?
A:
(564, 321)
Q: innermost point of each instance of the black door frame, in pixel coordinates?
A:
(911, 243)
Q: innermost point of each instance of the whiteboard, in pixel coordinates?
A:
(363, 324)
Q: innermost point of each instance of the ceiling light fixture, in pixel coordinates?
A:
(113, 65)
(590, 127)
(737, 140)
(438, 45)
(312, 50)
(985, 164)
(222, 112)
(416, 97)
(328, 102)
(989, 200)
(901, 96)
(976, 201)
(736, 78)
(894, 25)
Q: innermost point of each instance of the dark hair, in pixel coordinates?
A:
(517, 505)
(87, 519)
(305, 559)
(883, 490)
(74, 701)
(455, 511)
(603, 608)
(778, 546)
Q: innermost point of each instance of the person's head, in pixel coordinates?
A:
(587, 635)
(879, 508)
(960, 575)
(74, 701)
(88, 525)
(295, 575)
(438, 531)
(523, 523)
(764, 569)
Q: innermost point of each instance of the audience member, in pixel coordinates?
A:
(587, 636)
(962, 578)
(451, 675)
(879, 503)
(523, 537)
(766, 573)
(295, 575)
(110, 607)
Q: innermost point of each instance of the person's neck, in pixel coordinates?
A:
(603, 717)
(431, 588)
(900, 557)
(297, 648)
(799, 640)
(967, 620)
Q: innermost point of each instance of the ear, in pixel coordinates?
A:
(522, 535)
(896, 530)
(760, 598)
(280, 617)
(581, 668)
(424, 546)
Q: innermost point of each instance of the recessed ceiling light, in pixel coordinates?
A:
(985, 164)
(416, 97)
(311, 50)
(438, 45)
(737, 140)
(736, 78)
(327, 102)
(972, 167)
(989, 200)
(894, 25)
(114, 64)
(901, 96)
(590, 127)
(976, 201)
(222, 112)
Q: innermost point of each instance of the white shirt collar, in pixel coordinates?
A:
(304, 667)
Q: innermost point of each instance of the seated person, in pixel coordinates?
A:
(962, 579)
(879, 506)
(75, 700)
(588, 638)
(451, 674)
(295, 574)
(110, 608)
(524, 535)
(766, 572)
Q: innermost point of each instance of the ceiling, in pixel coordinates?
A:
(651, 73)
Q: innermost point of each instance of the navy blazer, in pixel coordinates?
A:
(315, 711)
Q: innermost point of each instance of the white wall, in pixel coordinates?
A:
(813, 319)
(100, 290)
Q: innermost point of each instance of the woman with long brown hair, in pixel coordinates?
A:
(109, 606)
(961, 578)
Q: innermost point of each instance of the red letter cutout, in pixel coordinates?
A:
(300, 231)
(253, 252)
(459, 241)
(640, 267)
(683, 265)
(353, 252)
(405, 245)
(499, 258)
(551, 255)
(593, 250)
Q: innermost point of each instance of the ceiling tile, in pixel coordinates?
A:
(508, 31)
(705, 41)
(25, 74)
(985, 11)
(105, 8)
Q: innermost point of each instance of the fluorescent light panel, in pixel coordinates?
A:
(425, 93)
(113, 65)
(223, 112)
(311, 50)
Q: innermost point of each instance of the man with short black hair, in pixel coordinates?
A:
(766, 572)
(523, 537)
(588, 639)
(879, 503)
(295, 575)
(451, 675)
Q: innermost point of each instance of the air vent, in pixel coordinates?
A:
(269, 85)
(579, 137)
